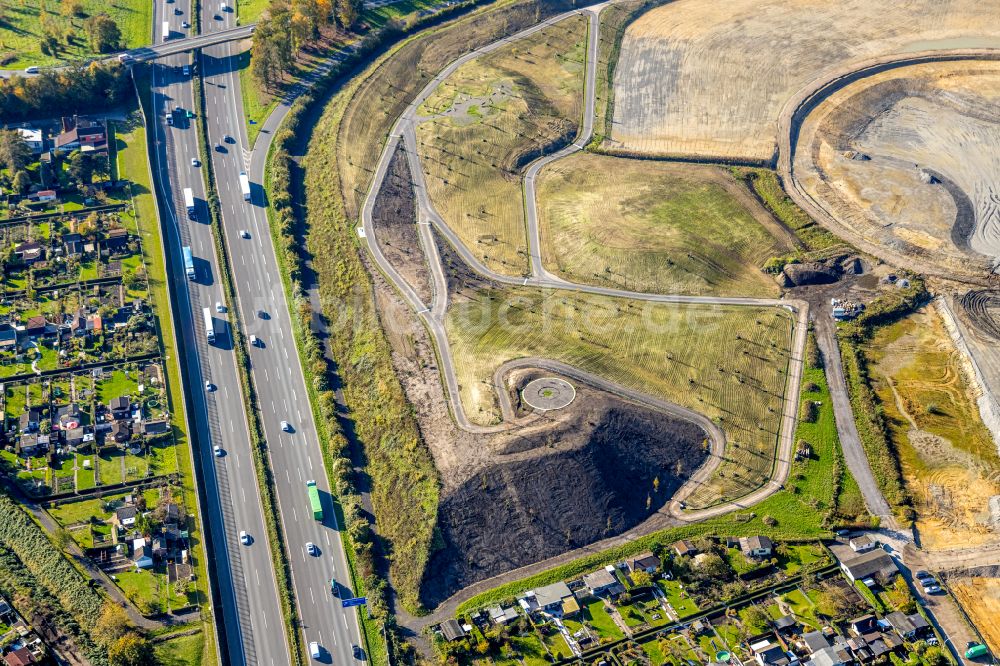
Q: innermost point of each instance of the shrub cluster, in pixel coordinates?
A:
(76, 89)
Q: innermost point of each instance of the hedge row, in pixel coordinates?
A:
(45, 561)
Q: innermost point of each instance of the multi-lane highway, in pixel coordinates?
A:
(251, 614)
(295, 455)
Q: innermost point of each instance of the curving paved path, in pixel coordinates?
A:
(432, 314)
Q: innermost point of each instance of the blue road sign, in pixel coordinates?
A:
(356, 601)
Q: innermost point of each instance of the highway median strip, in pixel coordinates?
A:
(258, 446)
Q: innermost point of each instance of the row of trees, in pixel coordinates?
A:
(76, 89)
(290, 26)
(103, 34)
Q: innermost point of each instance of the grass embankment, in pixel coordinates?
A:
(489, 119)
(615, 18)
(651, 226)
(728, 363)
(250, 10)
(948, 458)
(378, 96)
(345, 146)
(766, 185)
(25, 23)
(133, 164)
(869, 413)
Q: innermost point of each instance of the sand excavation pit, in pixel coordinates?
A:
(599, 468)
(710, 79)
(909, 161)
(547, 393)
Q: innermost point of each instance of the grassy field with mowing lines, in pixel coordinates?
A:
(486, 121)
(948, 458)
(375, 99)
(651, 226)
(728, 363)
(24, 23)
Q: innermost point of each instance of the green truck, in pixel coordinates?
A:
(317, 507)
(976, 651)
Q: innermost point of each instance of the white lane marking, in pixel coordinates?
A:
(295, 517)
(327, 535)
(310, 461)
(287, 477)
(242, 490)
(257, 573)
(311, 596)
(231, 428)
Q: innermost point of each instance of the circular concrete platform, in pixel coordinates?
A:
(548, 393)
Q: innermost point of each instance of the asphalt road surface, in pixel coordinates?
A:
(295, 454)
(251, 614)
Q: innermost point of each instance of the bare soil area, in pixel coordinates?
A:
(589, 473)
(908, 159)
(980, 597)
(710, 79)
(394, 218)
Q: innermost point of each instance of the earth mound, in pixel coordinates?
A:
(596, 476)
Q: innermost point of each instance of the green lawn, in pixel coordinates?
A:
(531, 650)
(597, 616)
(116, 384)
(181, 651)
(682, 604)
(799, 556)
(25, 23)
(146, 589)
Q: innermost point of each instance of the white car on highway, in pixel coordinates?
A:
(244, 538)
(209, 386)
(285, 426)
(219, 307)
(195, 162)
(217, 450)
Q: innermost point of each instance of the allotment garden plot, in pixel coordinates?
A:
(485, 122)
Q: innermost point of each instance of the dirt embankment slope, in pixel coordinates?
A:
(709, 79)
(596, 474)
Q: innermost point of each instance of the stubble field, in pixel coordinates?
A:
(655, 227)
(485, 122)
(710, 79)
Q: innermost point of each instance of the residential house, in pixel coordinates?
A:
(34, 138)
(756, 546)
(8, 337)
(78, 324)
(28, 445)
(556, 599)
(159, 547)
(121, 407)
(771, 654)
(140, 554)
(121, 431)
(645, 562)
(875, 566)
(46, 195)
(83, 134)
(827, 657)
(452, 630)
(909, 627)
(125, 516)
(19, 657)
(116, 241)
(66, 417)
(73, 244)
(786, 625)
(29, 252)
(684, 547)
(171, 513)
(863, 544)
(157, 427)
(815, 641)
(601, 581)
(30, 420)
(37, 327)
(73, 437)
(500, 615)
(864, 625)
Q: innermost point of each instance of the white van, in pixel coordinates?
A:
(314, 650)
(31, 70)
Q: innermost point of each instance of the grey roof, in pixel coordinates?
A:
(643, 561)
(552, 594)
(874, 562)
(452, 630)
(748, 544)
(815, 641)
(599, 579)
(826, 657)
